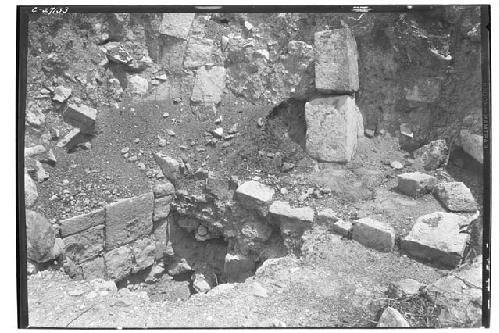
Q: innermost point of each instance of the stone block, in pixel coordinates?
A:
(254, 195)
(176, 24)
(85, 245)
(119, 262)
(128, 220)
(332, 128)
(374, 234)
(209, 85)
(456, 197)
(144, 251)
(415, 184)
(94, 269)
(472, 144)
(336, 66)
(79, 223)
(81, 116)
(161, 208)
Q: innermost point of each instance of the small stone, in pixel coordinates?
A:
(166, 115)
(258, 290)
(260, 122)
(137, 140)
(396, 165)
(392, 318)
(283, 191)
(170, 132)
(415, 184)
(61, 94)
(218, 132)
(162, 142)
(125, 150)
(287, 166)
(233, 129)
(404, 288)
(369, 133)
(76, 292)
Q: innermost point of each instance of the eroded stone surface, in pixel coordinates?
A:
(79, 223)
(85, 245)
(81, 116)
(209, 85)
(40, 237)
(472, 144)
(392, 318)
(374, 234)
(415, 184)
(119, 262)
(176, 24)
(436, 238)
(456, 197)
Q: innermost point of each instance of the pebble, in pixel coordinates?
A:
(166, 115)
(136, 140)
(162, 142)
(125, 150)
(170, 132)
(396, 165)
(260, 122)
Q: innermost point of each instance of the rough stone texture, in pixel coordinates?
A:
(392, 318)
(360, 123)
(176, 24)
(238, 267)
(425, 90)
(70, 139)
(81, 116)
(374, 234)
(332, 127)
(326, 217)
(161, 208)
(404, 288)
(163, 189)
(170, 167)
(40, 237)
(436, 238)
(30, 190)
(81, 222)
(456, 197)
(341, 227)
(144, 254)
(336, 61)
(199, 52)
(85, 245)
(460, 296)
(128, 220)
(256, 230)
(472, 144)
(432, 155)
(209, 85)
(254, 195)
(415, 184)
(119, 262)
(292, 221)
(35, 150)
(138, 85)
(94, 269)
(160, 236)
(61, 94)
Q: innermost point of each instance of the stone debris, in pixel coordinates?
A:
(254, 195)
(61, 94)
(415, 184)
(163, 189)
(456, 197)
(374, 234)
(35, 150)
(432, 155)
(30, 191)
(404, 288)
(331, 134)
(70, 140)
(396, 165)
(472, 144)
(138, 85)
(40, 237)
(176, 25)
(170, 167)
(336, 65)
(436, 238)
(392, 318)
(209, 85)
(200, 285)
(119, 263)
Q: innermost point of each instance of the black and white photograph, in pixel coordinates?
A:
(254, 167)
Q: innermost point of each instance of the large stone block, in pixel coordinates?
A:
(199, 52)
(209, 85)
(336, 66)
(374, 234)
(332, 128)
(436, 238)
(456, 197)
(81, 116)
(291, 220)
(94, 269)
(238, 267)
(472, 144)
(416, 184)
(128, 220)
(176, 24)
(85, 245)
(254, 195)
(119, 262)
(79, 223)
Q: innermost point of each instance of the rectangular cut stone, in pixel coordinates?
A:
(161, 208)
(119, 262)
(336, 68)
(209, 85)
(416, 184)
(436, 238)
(85, 245)
(254, 195)
(94, 269)
(71, 139)
(81, 116)
(456, 197)
(472, 144)
(81, 222)
(374, 234)
(128, 220)
(292, 221)
(332, 128)
(176, 24)
(199, 52)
